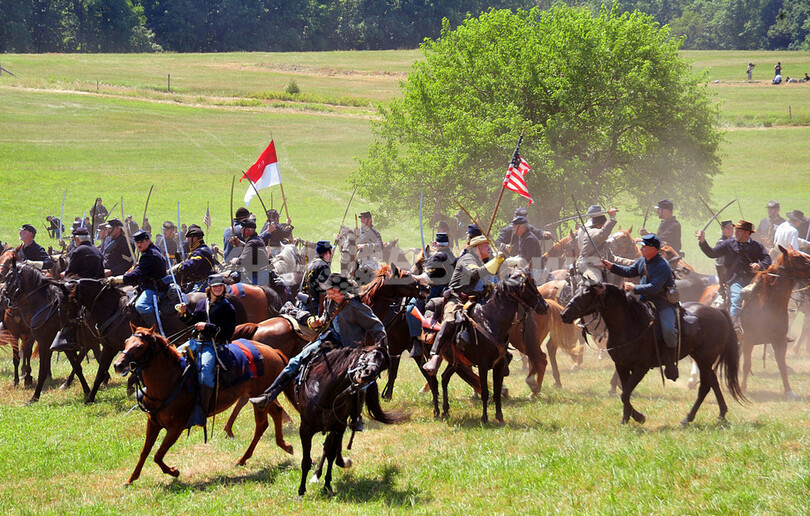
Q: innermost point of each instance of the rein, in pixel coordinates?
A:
(15, 303)
(136, 367)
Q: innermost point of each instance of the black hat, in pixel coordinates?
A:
(323, 246)
(273, 214)
(140, 236)
(242, 213)
(796, 215)
(249, 224)
(772, 204)
(365, 214)
(194, 231)
(726, 223)
(442, 238)
(81, 232)
(521, 212)
(651, 240)
(168, 224)
(216, 279)
(520, 219)
(473, 231)
(340, 282)
(665, 204)
(28, 227)
(115, 223)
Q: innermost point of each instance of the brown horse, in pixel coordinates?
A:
(168, 403)
(633, 345)
(19, 337)
(765, 317)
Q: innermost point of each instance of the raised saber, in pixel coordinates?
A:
(127, 236)
(491, 243)
(180, 293)
(710, 211)
(110, 212)
(574, 217)
(718, 214)
(233, 230)
(146, 205)
(347, 206)
(585, 229)
(62, 214)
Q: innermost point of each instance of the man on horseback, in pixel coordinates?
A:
(351, 322)
(31, 252)
(669, 230)
(85, 261)
(471, 278)
(148, 275)
(369, 241)
(117, 257)
(274, 234)
(767, 226)
(726, 233)
(200, 262)
(656, 281)
(527, 246)
(254, 255)
(742, 258)
(234, 230)
(167, 239)
(507, 241)
(215, 319)
(316, 275)
(599, 228)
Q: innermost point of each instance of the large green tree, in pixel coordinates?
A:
(609, 109)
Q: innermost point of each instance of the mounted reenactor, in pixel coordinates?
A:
(169, 234)
(599, 228)
(350, 323)
(215, 319)
(274, 234)
(31, 252)
(148, 274)
(98, 213)
(507, 241)
(200, 262)
(85, 261)
(767, 226)
(146, 226)
(669, 230)
(318, 271)
(526, 245)
(117, 256)
(742, 258)
(103, 236)
(655, 286)
(369, 241)
(254, 257)
(132, 226)
(471, 279)
(726, 233)
(234, 230)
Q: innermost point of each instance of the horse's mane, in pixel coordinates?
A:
(638, 311)
(162, 340)
(32, 275)
(668, 253)
(369, 291)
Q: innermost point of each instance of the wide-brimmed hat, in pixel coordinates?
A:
(272, 214)
(745, 225)
(242, 213)
(340, 282)
(115, 223)
(665, 204)
(476, 241)
(168, 225)
(796, 215)
(772, 204)
(365, 214)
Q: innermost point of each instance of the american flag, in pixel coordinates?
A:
(515, 179)
(207, 219)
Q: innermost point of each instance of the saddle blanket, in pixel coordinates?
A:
(238, 289)
(242, 361)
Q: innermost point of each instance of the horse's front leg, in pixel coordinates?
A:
(748, 350)
(552, 356)
(393, 371)
(483, 373)
(306, 460)
(779, 352)
(172, 434)
(331, 453)
(234, 414)
(627, 390)
(497, 385)
(152, 431)
(708, 381)
(446, 375)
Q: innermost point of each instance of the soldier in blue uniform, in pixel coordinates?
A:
(200, 262)
(148, 275)
(656, 280)
(316, 275)
(215, 319)
(31, 252)
(117, 257)
(85, 261)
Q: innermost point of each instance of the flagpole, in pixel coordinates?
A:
(283, 198)
(256, 191)
(503, 186)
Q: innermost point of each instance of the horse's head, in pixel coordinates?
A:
(368, 366)
(795, 263)
(8, 260)
(520, 285)
(587, 299)
(139, 349)
(391, 283)
(622, 243)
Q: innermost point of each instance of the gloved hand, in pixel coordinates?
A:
(494, 262)
(116, 280)
(38, 265)
(180, 308)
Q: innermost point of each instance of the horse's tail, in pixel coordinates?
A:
(376, 411)
(730, 362)
(245, 331)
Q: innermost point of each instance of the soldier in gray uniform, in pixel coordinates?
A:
(369, 241)
(767, 226)
(599, 228)
(254, 255)
(669, 230)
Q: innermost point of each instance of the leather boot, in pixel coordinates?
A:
(737, 325)
(200, 412)
(150, 321)
(416, 350)
(264, 400)
(60, 343)
(432, 365)
(447, 331)
(356, 424)
(671, 360)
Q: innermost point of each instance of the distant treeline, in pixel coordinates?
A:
(306, 25)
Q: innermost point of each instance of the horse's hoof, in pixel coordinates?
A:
(288, 448)
(174, 472)
(792, 396)
(240, 464)
(299, 498)
(625, 421)
(347, 463)
(314, 479)
(641, 419)
(64, 387)
(685, 422)
(327, 491)
(31, 401)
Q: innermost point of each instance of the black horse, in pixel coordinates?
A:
(632, 344)
(326, 398)
(38, 300)
(491, 323)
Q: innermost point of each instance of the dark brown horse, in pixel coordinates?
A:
(168, 403)
(326, 398)
(491, 323)
(633, 346)
(765, 317)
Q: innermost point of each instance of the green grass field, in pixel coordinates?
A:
(563, 453)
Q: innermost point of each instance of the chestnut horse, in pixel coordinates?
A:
(633, 345)
(168, 403)
(765, 317)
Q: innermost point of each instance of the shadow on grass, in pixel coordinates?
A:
(268, 475)
(771, 396)
(352, 489)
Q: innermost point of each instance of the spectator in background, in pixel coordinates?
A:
(777, 70)
(750, 70)
(806, 77)
(777, 80)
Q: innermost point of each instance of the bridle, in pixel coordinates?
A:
(136, 367)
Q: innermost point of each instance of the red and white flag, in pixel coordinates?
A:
(515, 179)
(263, 173)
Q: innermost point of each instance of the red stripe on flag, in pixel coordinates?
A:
(515, 180)
(255, 172)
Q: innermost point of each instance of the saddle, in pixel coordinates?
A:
(687, 322)
(237, 362)
(298, 320)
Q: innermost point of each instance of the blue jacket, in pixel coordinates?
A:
(220, 321)
(737, 257)
(656, 277)
(37, 253)
(149, 272)
(198, 265)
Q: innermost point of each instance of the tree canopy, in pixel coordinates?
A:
(609, 109)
